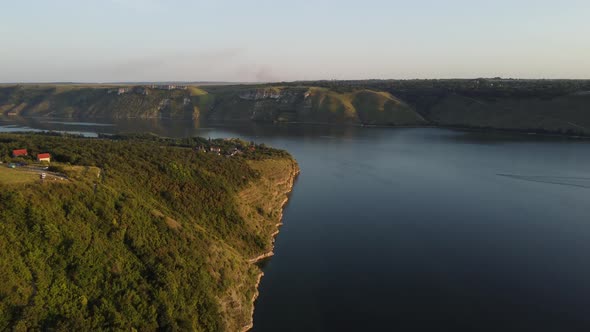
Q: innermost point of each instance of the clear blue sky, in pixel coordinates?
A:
(231, 40)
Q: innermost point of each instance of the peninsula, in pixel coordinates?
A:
(135, 233)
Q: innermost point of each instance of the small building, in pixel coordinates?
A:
(215, 149)
(44, 157)
(235, 152)
(19, 153)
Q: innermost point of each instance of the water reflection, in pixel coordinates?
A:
(415, 229)
(178, 127)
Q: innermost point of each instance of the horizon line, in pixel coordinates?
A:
(286, 81)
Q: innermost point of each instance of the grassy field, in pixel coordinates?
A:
(195, 91)
(20, 175)
(360, 106)
(16, 176)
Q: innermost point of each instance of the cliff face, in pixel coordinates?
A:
(566, 112)
(97, 102)
(261, 204)
(313, 105)
(265, 93)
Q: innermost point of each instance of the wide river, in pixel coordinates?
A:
(417, 229)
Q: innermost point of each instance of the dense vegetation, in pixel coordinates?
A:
(84, 101)
(147, 233)
(541, 106)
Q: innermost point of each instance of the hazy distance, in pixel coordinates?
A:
(181, 40)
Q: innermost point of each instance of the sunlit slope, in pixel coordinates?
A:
(381, 108)
(311, 105)
(144, 234)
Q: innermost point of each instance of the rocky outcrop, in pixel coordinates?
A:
(264, 202)
(314, 105)
(260, 94)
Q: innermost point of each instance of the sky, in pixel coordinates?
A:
(278, 40)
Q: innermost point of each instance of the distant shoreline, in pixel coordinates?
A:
(540, 107)
(327, 124)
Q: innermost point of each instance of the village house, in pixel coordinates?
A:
(19, 153)
(44, 157)
(215, 149)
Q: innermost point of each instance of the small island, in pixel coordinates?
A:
(136, 232)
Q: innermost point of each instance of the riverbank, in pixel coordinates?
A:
(82, 126)
(529, 106)
(263, 202)
(278, 225)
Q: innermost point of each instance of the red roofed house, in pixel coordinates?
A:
(44, 157)
(20, 152)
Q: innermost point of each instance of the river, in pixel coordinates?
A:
(416, 229)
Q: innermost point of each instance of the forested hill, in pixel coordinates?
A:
(135, 233)
(541, 106)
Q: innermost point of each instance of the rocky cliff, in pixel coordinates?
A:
(557, 107)
(97, 102)
(312, 105)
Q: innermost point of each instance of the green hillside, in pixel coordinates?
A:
(98, 102)
(564, 114)
(309, 105)
(542, 106)
(137, 233)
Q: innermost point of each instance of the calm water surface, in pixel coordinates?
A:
(417, 229)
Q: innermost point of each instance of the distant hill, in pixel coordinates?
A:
(307, 105)
(543, 106)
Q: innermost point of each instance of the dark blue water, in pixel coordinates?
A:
(422, 229)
